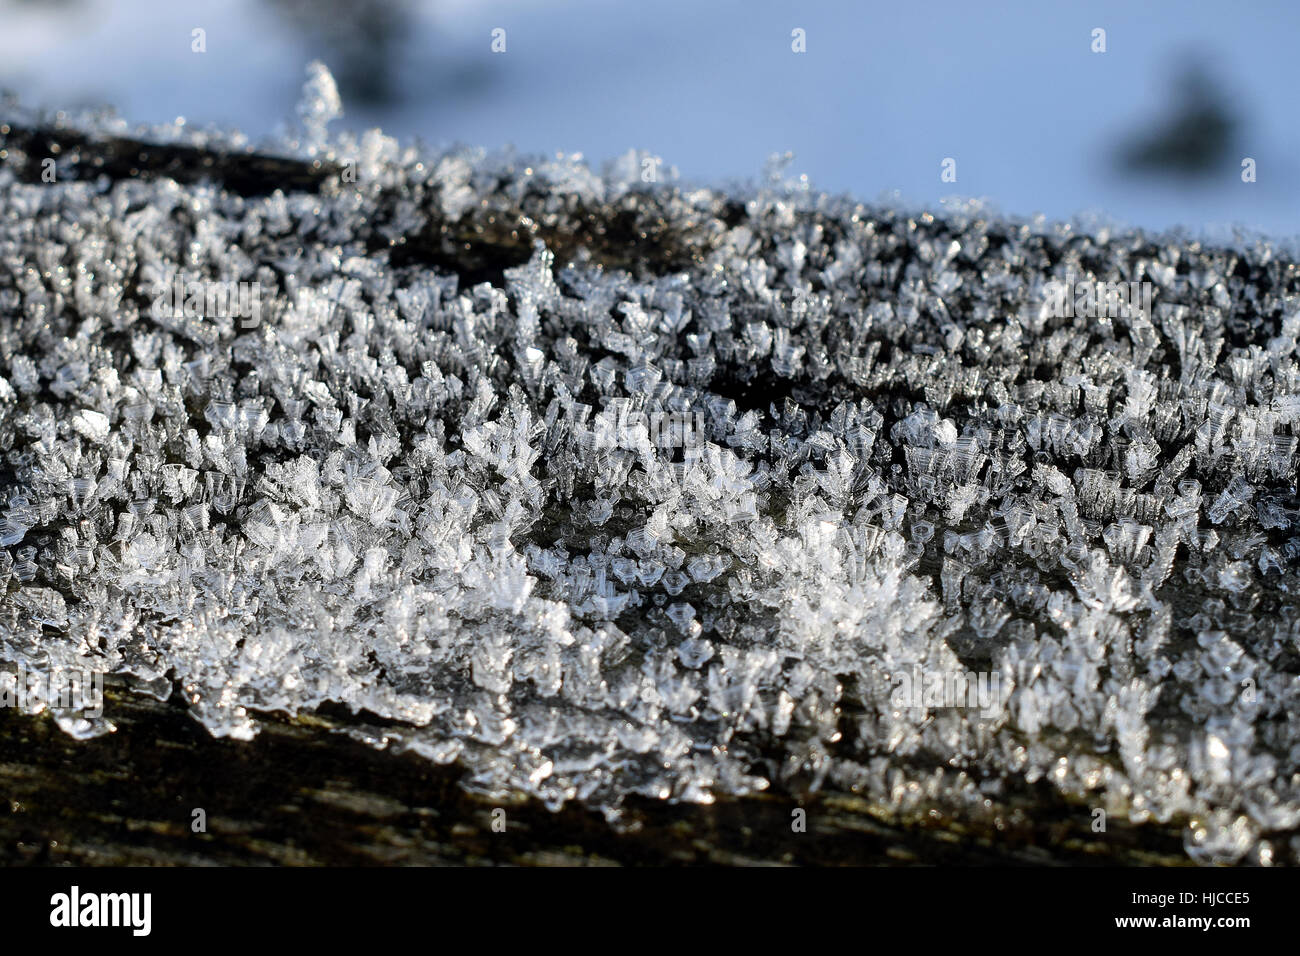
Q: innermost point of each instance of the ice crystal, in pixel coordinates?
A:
(433, 484)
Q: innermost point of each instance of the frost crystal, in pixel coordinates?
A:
(434, 483)
(319, 106)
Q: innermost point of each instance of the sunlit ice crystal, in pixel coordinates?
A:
(319, 105)
(595, 519)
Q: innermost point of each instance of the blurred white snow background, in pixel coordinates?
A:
(1012, 91)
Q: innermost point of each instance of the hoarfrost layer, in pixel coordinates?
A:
(434, 482)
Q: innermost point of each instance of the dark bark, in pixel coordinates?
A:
(303, 794)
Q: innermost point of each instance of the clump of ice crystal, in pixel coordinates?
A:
(434, 483)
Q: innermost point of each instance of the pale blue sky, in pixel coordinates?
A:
(883, 94)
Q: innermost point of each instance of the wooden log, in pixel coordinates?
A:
(304, 793)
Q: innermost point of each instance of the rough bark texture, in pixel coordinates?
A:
(301, 794)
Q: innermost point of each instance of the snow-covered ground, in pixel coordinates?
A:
(884, 93)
